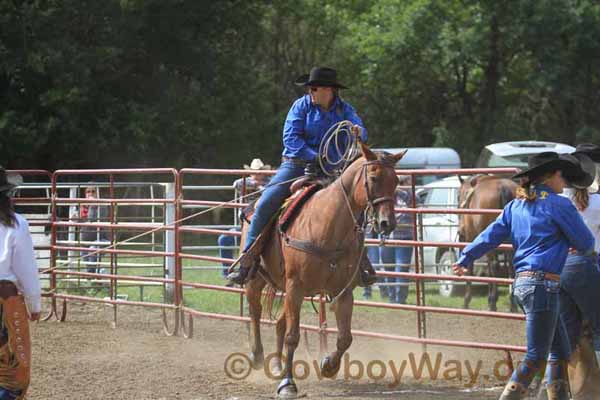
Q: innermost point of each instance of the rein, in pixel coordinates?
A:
(371, 203)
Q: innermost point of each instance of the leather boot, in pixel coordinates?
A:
(247, 261)
(558, 390)
(542, 391)
(513, 391)
(367, 273)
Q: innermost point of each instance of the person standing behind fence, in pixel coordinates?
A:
(20, 296)
(247, 185)
(396, 259)
(92, 236)
(542, 227)
(580, 278)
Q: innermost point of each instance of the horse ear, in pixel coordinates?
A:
(461, 179)
(475, 179)
(366, 152)
(398, 156)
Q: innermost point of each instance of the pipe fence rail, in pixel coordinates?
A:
(155, 230)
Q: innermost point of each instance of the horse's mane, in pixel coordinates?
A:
(383, 157)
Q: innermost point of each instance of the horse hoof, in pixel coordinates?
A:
(276, 368)
(287, 389)
(256, 360)
(328, 370)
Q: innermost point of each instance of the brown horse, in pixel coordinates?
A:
(484, 191)
(320, 253)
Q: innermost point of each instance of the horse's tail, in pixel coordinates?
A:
(506, 194)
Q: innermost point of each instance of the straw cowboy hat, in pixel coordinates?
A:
(257, 165)
(320, 76)
(5, 185)
(576, 170)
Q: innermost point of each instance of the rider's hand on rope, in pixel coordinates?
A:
(459, 269)
(34, 316)
(356, 130)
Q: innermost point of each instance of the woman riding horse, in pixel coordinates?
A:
(307, 122)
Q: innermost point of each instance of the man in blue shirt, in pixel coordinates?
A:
(307, 122)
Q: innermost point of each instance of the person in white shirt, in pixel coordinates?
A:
(580, 280)
(20, 296)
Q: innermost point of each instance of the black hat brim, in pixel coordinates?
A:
(546, 167)
(586, 175)
(590, 150)
(303, 80)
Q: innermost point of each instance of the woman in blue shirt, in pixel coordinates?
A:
(542, 227)
(307, 122)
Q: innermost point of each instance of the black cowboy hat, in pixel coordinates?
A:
(549, 161)
(320, 76)
(585, 177)
(5, 185)
(590, 150)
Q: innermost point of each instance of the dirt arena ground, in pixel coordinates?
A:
(85, 358)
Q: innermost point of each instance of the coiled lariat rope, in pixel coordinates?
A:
(344, 144)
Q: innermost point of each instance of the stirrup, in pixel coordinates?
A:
(238, 277)
(367, 275)
(366, 278)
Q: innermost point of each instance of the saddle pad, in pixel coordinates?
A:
(294, 204)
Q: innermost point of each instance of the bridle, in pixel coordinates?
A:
(370, 215)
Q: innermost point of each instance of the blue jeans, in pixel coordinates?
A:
(6, 394)
(399, 258)
(227, 241)
(580, 296)
(546, 333)
(88, 257)
(272, 198)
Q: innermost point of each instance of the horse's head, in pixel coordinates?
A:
(380, 183)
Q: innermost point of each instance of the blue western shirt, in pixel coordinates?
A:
(306, 124)
(541, 231)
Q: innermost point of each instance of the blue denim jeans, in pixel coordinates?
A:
(398, 258)
(272, 198)
(225, 251)
(91, 258)
(580, 296)
(6, 394)
(546, 333)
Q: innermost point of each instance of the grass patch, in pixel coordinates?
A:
(229, 303)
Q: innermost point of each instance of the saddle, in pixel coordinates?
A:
(290, 209)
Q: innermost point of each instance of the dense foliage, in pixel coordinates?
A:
(87, 83)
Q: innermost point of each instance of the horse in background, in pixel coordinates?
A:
(320, 252)
(485, 192)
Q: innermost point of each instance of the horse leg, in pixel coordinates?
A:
(292, 305)
(330, 365)
(492, 287)
(253, 294)
(275, 364)
(468, 295)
